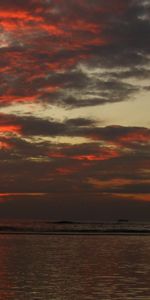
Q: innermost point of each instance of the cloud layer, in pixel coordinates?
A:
(73, 55)
(58, 51)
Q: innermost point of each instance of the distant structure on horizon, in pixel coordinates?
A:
(123, 221)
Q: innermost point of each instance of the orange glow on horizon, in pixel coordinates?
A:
(135, 196)
(115, 182)
(21, 194)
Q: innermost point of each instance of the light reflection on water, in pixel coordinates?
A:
(74, 267)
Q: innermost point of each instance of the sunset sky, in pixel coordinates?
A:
(75, 109)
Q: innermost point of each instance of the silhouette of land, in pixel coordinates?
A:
(70, 227)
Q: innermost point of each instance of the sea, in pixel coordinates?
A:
(67, 261)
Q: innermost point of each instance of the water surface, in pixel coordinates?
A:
(74, 267)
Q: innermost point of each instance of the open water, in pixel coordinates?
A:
(74, 267)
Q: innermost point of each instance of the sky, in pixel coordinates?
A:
(74, 109)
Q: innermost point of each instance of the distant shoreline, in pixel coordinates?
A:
(81, 232)
(120, 227)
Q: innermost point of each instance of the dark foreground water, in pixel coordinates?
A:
(74, 267)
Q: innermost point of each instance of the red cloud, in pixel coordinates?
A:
(38, 29)
(136, 137)
(120, 136)
(10, 20)
(21, 15)
(56, 155)
(66, 170)
(5, 145)
(104, 154)
(10, 129)
(8, 99)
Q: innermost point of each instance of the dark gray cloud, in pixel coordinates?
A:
(34, 126)
(80, 122)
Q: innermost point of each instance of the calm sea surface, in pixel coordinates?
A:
(74, 267)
